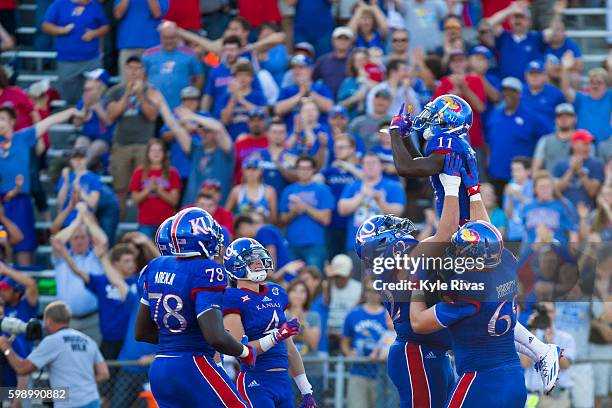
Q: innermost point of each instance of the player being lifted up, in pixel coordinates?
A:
(257, 309)
(180, 311)
(444, 122)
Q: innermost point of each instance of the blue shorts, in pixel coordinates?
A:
(422, 375)
(502, 387)
(192, 381)
(266, 389)
(21, 212)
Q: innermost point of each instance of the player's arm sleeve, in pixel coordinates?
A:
(142, 287)
(449, 313)
(208, 299)
(47, 351)
(231, 303)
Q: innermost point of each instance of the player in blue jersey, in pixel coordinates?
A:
(444, 124)
(180, 311)
(162, 237)
(417, 364)
(257, 310)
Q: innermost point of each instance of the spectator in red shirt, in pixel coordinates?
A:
(16, 98)
(248, 144)
(257, 12)
(469, 87)
(208, 200)
(185, 13)
(155, 188)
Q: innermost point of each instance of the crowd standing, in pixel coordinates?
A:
(271, 115)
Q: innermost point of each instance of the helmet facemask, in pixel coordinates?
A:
(258, 264)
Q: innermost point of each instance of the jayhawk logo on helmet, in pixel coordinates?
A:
(469, 235)
(452, 104)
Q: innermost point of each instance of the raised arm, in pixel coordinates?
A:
(44, 125)
(567, 63)
(15, 235)
(556, 22)
(120, 9)
(98, 236)
(155, 8)
(208, 45)
(60, 251)
(115, 277)
(31, 288)
(270, 41)
(498, 18)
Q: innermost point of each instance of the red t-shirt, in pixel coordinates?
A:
(8, 4)
(258, 12)
(224, 218)
(185, 13)
(44, 113)
(244, 147)
(477, 86)
(153, 210)
(17, 99)
(490, 7)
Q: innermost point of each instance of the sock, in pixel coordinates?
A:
(524, 350)
(529, 340)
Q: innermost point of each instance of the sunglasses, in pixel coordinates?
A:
(400, 40)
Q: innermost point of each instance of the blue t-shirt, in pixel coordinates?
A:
(271, 174)
(89, 182)
(575, 191)
(291, 90)
(277, 61)
(337, 179)
(302, 148)
(365, 330)
(260, 312)
(514, 56)
(171, 71)
(9, 376)
(94, 127)
(393, 192)
(558, 216)
(510, 136)
(375, 41)
(386, 157)
(594, 115)
(238, 122)
(15, 159)
(304, 230)
(568, 44)
(216, 86)
(114, 312)
(138, 19)
(268, 235)
(178, 159)
(70, 47)
(515, 223)
(313, 18)
(543, 103)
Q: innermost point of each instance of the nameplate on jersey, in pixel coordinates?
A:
(166, 278)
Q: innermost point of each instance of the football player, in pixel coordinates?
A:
(180, 311)
(257, 310)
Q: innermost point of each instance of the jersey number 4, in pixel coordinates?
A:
(172, 304)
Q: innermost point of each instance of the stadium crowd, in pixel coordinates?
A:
(270, 120)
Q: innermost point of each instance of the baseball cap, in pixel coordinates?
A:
(306, 47)
(343, 31)
(383, 93)
(535, 66)
(10, 283)
(250, 163)
(100, 74)
(300, 60)
(256, 112)
(512, 83)
(582, 135)
(481, 50)
(338, 110)
(38, 89)
(553, 59)
(78, 152)
(455, 52)
(341, 265)
(211, 184)
(190, 92)
(565, 108)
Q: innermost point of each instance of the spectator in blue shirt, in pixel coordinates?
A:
(515, 48)
(593, 106)
(170, 67)
(9, 377)
(276, 59)
(290, 97)
(310, 136)
(19, 295)
(338, 121)
(540, 97)
(580, 176)
(559, 44)
(239, 99)
(305, 208)
(267, 235)
(220, 76)
(137, 16)
(342, 171)
(314, 23)
(384, 152)
(331, 67)
(512, 130)
(518, 192)
(78, 26)
(372, 195)
(369, 24)
(364, 327)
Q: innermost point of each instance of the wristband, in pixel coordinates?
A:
(473, 190)
(245, 351)
(475, 197)
(302, 383)
(267, 342)
(451, 184)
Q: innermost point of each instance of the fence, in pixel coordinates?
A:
(331, 377)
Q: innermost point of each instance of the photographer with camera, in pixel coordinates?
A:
(541, 322)
(73, 359)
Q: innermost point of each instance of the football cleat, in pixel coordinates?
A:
(548, 367)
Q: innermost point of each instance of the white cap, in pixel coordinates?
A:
(512, 83)
(37, 89)
(343, 30)
(341, 265)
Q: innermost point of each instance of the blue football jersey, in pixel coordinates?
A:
(481, 319)
(444, 144)
(260, 313)
(397, 304)
(177, 292)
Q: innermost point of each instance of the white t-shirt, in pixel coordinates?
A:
(70, 357)
(341, 303)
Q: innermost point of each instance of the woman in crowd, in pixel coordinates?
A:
(370, 25)
(355, 86)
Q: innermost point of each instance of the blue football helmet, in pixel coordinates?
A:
(243, 252)
(162, 237)
(445, 114)
(377, 232)
(478, 239)
(195, 233)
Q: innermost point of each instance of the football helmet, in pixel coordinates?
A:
(445, 114)
(478, 239)
(377, 232)
(194, 232)
(162, 237)
(243, 252)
